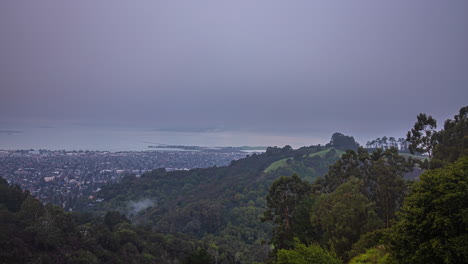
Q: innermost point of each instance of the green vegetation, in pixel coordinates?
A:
(433, 222)
(31, 232)
(362, 212)
(293, 163)
(308, 166)
(340, 207)
(275, 165)
(343, 216)
(220, 205)
(324, 152)
(302, 254)
(284, 201)
(360, 194)
(342, 142)
(413, 156)
(377, 255)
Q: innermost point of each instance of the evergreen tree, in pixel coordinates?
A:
(343, 216)
(284, 198)
(423, 136)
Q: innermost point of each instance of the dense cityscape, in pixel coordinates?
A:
(61, 177)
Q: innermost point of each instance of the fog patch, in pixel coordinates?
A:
(134, 207)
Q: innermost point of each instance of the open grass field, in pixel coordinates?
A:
(282, 163)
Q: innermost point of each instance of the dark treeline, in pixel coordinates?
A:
(31, 232)
(344, 205)
(389, 142)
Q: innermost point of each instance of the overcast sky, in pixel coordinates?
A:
(360, 67)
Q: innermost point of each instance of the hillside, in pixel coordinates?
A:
(309, 166)
(362, 210)
(220, 205)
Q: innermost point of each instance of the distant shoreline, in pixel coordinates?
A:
(262, 148)
(10, 132)
(246, 149)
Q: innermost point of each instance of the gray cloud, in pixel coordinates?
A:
(361, 67)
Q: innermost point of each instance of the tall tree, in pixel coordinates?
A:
(284, 197)
(453, 139)
(433, 223)
(384, 142)
(382, 175)
(343, 216)
(423, 136)
(403, 145)
(392, 142)
(389, 189)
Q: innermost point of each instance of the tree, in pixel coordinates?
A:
(343, 216)
(453, 139)
(384, 142)
(387, 186)
(11, 196)
(342, 142)
(200, 256)
(113, 218)
(377, 255)
(302, 254)
(423, 136)
(83, 257)
(31, 210)
(284, 197)
(381, 173)
(392, 142)
(433, 223)
(403, 145)
(348, 166)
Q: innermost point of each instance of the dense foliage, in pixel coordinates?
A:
(354, 210)
(377, 255)
(344, 205)
(31, 232)
(285, 198)
(433, 223)
(452, 141)
(342, 142)
(302, 254)
(360, 194)
(444, 146)
(221, 206)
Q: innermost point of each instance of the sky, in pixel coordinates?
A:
(364, 68)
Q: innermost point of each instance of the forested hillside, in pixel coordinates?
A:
(220, 206)
(364, 211)
(31, 232)
(317, 204)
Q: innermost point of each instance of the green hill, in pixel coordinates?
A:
(218, 205)
(284, 162)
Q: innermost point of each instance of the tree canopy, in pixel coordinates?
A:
(302, 254)
(433, 223)
(343, 142)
